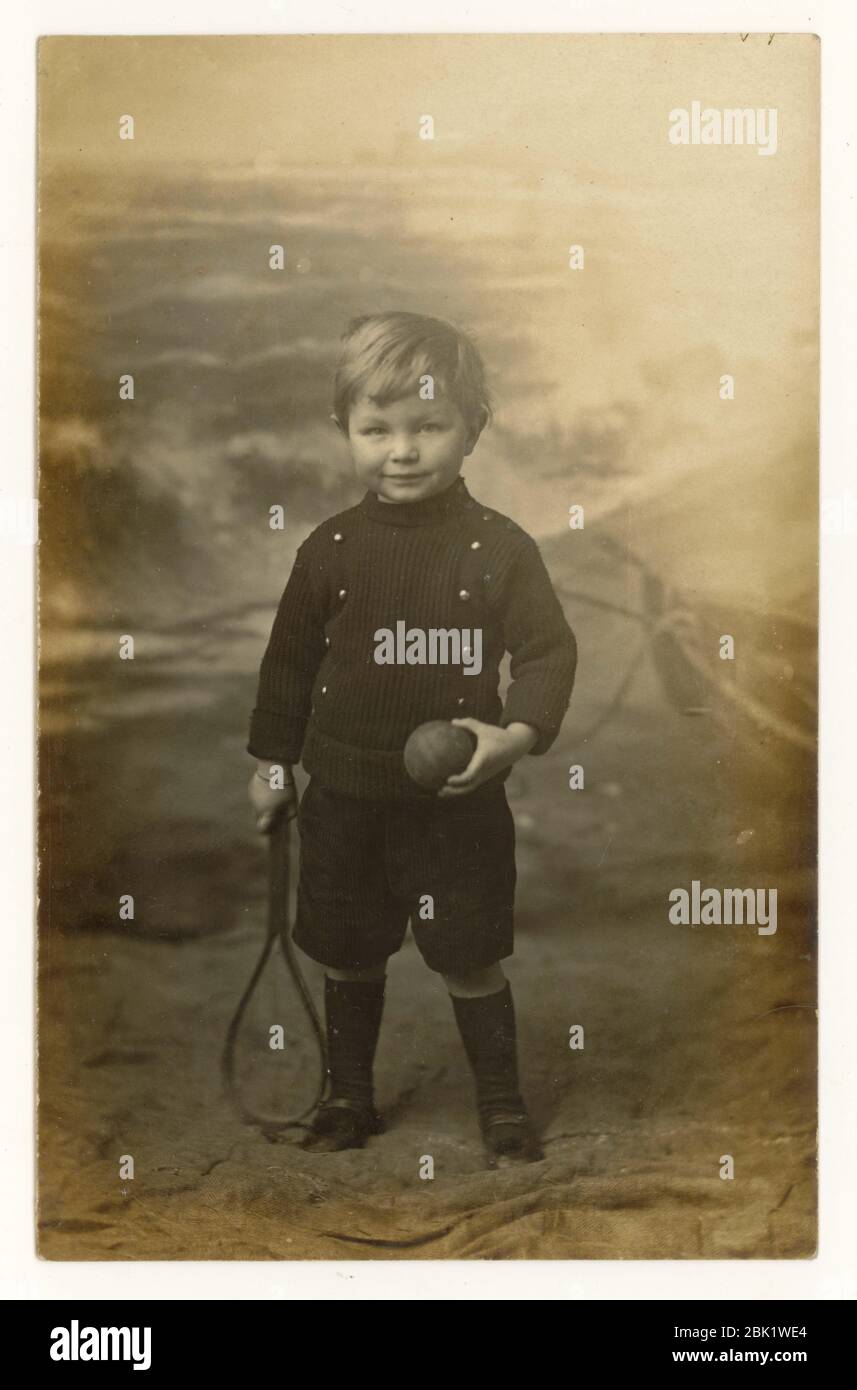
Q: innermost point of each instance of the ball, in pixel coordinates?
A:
(435, 751)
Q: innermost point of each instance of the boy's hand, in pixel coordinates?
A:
(495, 749)
(272, 801)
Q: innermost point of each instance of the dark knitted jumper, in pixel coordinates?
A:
(443, 562)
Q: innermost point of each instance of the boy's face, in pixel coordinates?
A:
(408, 449)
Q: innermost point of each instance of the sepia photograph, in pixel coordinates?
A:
(428, 507)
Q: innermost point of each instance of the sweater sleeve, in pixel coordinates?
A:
(543, 650)
(294, 653)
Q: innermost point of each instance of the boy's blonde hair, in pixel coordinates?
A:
(384, 355)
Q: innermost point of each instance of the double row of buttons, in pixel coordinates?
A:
(463, 594)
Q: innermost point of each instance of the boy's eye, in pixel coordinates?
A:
(373, 429)
(430, 425)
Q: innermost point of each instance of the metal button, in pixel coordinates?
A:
(327, 641)
(324, 690)
(460, 700)
(337, 535)
(485, 516)
(342, 593)
(475, 545)
(464, 593)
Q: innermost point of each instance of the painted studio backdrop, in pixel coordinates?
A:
(638, 260)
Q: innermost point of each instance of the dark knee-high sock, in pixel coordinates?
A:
(353, 1010)
(487, 1027)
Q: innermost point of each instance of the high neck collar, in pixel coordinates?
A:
(421, 513)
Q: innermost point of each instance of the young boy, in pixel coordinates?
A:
(376, 849)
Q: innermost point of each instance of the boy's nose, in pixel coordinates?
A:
(403, 450)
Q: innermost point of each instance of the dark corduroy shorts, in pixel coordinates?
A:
(367, 867)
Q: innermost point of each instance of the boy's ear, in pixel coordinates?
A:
(474, 433)
(343, 429)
